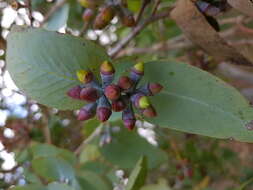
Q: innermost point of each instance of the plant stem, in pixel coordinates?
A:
(89, 139)
(121, 44)
(58, 5)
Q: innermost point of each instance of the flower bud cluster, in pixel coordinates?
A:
(101, 13)
(105, 97)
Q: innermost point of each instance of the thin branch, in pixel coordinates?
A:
(29, 6)
(84, 28)
(46, 132)
(143, 7)
(121, 44)
(89, 139)
(157, 3)
(58, 5)
(45, 128)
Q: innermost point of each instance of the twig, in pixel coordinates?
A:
(84, 29)
(46, 132)
(144, 5)
(157, 3)
(121, 44)
(29, 6)
(58, 5)
(89, 139)
(45, 127)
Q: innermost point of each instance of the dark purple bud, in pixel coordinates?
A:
(118, 105)
(128, 20)
(125, 83)
(150, 89)
(112, 92)
(104, 109)
(128, 118)
(75, 92)
(107, 73)
(87, 112)
(90, 94)
(207, 8)
(88, 14)
(149, 112)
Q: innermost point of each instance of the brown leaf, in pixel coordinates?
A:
(244, 6)
(199, 31)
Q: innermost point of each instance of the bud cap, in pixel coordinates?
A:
(90, 94)
(112, 92)
(155, 88)
(140, 101)
(125, 83)
(84, 76)
(118, 105)
(104, 109)
(87, 112)
(149, 112)
(107, 68)
(139, 68)
(74, 92)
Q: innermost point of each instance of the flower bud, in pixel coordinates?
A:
(112, 92)
(84, 76)
(118, 105)
(137, 72)
(90, 94)
(128, 118)
(74, 92)
(107, 73)
(104, 109)
(151, 89)
(128, 20)
(104, 17)
(140, 101)
(208, 9)
(87, 112)
(155, 88)
(149, 112)
(125, 83)
(88, 14)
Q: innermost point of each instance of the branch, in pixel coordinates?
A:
(143, 7)
(58, 5)
(45, 127)
(121, 44)
(88, 140)
(157, 3)
(29, 6)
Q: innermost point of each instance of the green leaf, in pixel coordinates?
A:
(55, 169)
(59, 186)
(162, 185)
(134, 5)
(43, 64)
(46, 150)
(195, 101)
(138, 175)
(89, 153)
(30, 187)
(91, 181)
(51, 186)
(127, 147)
(58, 19)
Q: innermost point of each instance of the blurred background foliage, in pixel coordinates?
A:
(46, 148)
